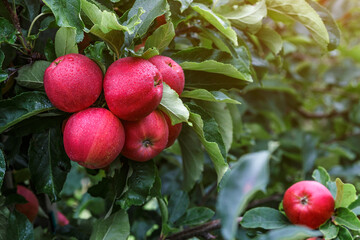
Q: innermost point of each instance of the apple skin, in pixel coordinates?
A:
(172, 73)
(133, 88)
(93, 137)
(146, 138)
(73, 82)
(308, 203)
(160, 20)
(62, 220)
(174, 131)
(31, 208)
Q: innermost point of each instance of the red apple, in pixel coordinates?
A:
(31, 208)
(73, 82)
(174, 131)
(93, 137)
(308, 203)
(133, 88)
(62, 220)
(145, 138)
(160, 20)
(171, 72)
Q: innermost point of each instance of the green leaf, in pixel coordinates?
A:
(192, 157)
(346, 218)
(65, 41)
(355, 206)
(264, 217)
(3, 74)
(67, 14)
(213, 96)
(345, 195)
(149, 53)
(185, 4)
(139, 184)
(178, 203)
(195, 215)
(114, 39)
(247, 17)
(161, 37)
(290, 233)
(330, 24)
(49, 51)
(2, 167)
(32, 75)
(172, 105)
(19, 227)
(221, 113)
(271, 39)
(117, 227)
(7, 31)
(219, 22)
(107, 21)
(249, 175)
(155, 190)
(329, 230)
(21, 107)
(321, 175)
(4, 222)
(302, 12)
(213, 61)
(344, 234)
(152, 9)
(209, 134)
(96, 52)
(48, 162)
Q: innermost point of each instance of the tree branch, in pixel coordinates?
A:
(202, 230)
(16, 22)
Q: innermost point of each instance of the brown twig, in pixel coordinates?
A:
(16, 22)
(202, 230)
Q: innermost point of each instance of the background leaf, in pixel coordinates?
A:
(67, 14)
(115, 227)
(48, 162)
(192, 156)
(21, 107)
(249, 175)
(161, 37)
(31, 76)
(264, 217)
(65, 41)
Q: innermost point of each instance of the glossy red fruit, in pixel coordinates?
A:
(133, 88)
(174, 131)
(62, 220)
(146, 138)
(308, 203)
(31, 208)
(73, 82)
(172, 73)
(93, 137)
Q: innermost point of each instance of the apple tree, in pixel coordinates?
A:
(270, 98)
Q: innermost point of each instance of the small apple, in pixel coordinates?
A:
(31, 208)
(73, 82)
(174, 131)
(133, 88)
(145, 138)
(308, 203)
(172, 73)
(93, 137)
(62, 220)
(160, 20)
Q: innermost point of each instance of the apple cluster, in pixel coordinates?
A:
(308, 203)
(133, 88)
